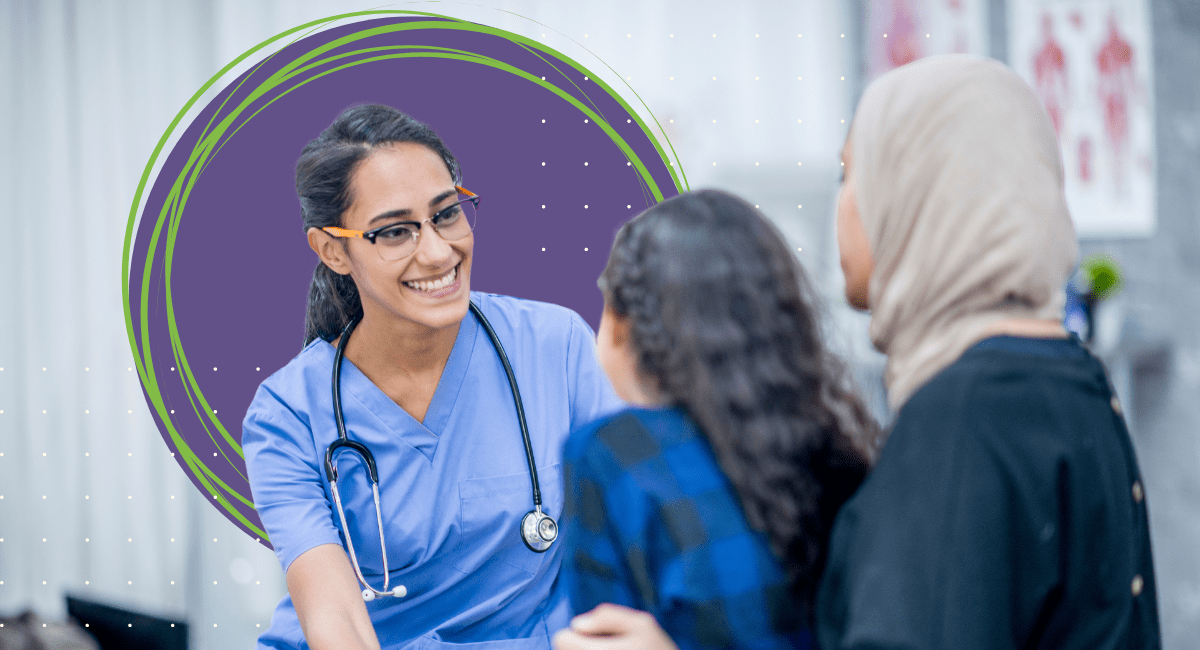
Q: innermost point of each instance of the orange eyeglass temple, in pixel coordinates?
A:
(342, 232)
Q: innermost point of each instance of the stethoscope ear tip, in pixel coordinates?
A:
(399, 592)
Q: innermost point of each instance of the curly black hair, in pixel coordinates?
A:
(724, 323)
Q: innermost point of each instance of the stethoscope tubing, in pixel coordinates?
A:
(344, 440)
(539, 520)
(516, 393)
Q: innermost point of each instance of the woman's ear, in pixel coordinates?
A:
(331, 251)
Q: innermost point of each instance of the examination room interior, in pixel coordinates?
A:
(754, 97)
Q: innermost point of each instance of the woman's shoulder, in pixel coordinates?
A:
(527, 316)
(1009, 410)
(292, 385)
(1005, 376)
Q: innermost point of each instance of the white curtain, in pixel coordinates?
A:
(93, 504)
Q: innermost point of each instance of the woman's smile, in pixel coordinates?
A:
(438, 286)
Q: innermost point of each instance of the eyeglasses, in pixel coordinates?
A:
(398, 240)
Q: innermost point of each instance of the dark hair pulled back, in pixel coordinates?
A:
(324, 174)
(724, 322)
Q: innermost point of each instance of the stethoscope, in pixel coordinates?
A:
(538, 530)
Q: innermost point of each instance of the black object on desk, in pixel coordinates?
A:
(117, 628)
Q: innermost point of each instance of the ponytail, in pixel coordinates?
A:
(332, 303)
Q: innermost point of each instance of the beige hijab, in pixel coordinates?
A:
(959, 184)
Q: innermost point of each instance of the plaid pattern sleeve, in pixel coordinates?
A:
(651, 522)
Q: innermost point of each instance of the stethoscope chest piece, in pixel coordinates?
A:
(538, 530)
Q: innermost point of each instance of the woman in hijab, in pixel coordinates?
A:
(1006, 509)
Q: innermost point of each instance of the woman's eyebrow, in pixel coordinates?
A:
(442, 197)
(407, 212)
(390, 214)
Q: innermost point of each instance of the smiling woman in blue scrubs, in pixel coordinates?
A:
(424, 389)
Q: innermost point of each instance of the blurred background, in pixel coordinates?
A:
(755, 97)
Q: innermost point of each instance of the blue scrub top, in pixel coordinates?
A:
(453, 488)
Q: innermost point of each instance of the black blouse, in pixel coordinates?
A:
(1006, 511)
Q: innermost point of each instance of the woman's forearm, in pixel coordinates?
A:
(328, 602)
(338, 630)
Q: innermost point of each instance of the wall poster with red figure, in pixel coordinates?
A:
(1090, 61)
(902, 31)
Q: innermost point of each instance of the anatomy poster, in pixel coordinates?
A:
(1090, 61)
(901, 31)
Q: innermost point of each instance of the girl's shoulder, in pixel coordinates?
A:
(633, 434)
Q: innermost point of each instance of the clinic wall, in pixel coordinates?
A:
(94, 84)
(1150, 334)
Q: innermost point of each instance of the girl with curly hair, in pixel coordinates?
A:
(708, 503)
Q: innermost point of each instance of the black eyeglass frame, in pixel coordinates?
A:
(370, 235)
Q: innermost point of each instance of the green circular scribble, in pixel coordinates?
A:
(229, 119)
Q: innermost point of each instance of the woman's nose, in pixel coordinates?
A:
(432, 250)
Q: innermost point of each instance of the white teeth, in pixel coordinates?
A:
(434, 285)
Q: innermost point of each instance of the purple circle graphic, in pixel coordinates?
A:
(218, 266)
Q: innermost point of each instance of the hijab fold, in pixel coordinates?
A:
(959, 185)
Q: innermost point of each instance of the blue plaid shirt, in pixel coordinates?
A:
(651, 522)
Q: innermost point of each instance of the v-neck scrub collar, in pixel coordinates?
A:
(424, 435)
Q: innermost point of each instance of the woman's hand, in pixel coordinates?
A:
(613, 627)
(329, 602)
